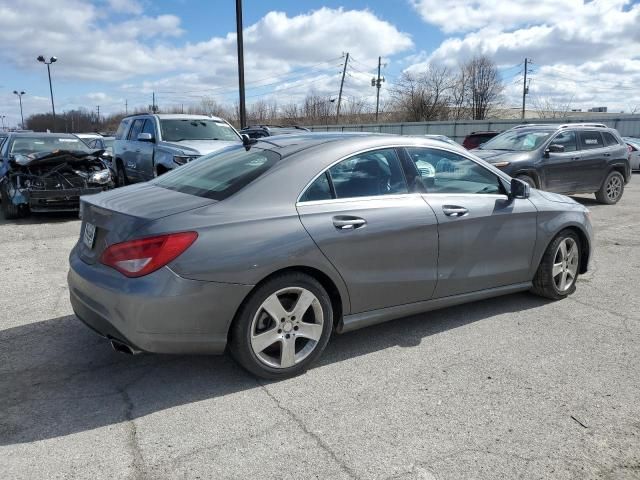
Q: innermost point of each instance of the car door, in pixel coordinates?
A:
(382, 239)
(560, 174)
(145, 151)
(130, 151)
(486, 238)
(591, 167)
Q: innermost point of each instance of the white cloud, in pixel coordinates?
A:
(125, 6)
(586, 53)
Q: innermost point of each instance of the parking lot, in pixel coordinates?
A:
(513, 387)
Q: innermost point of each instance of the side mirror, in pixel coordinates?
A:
(555, 148)
(247, 141)
(145, 137)
(519, 189)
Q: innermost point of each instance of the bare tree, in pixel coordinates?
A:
(483, 85)
(423, 96)
(547, 108)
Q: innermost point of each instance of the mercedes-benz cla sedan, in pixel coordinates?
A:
(267, 248)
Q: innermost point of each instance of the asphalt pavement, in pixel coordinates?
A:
(513, 387)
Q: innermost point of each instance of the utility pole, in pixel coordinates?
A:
(243, 112)
(98, 122)
(126, 107)
(154, 108)
(344, 71)
(377, 82)
(525, 88)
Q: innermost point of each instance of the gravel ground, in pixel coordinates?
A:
(514, 387)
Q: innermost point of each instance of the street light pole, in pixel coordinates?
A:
(51, 60)
(2, 117)
(19, 94)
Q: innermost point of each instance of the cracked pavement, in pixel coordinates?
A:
(514, 387)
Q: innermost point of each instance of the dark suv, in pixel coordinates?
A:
(571, 158)
(259, 131)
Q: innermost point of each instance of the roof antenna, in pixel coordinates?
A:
(248, 141)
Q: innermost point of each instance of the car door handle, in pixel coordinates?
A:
(575, 158)
(454, 211)
(607, 154)
(348, 223)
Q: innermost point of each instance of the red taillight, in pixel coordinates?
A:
(136, 258)
(631, 148)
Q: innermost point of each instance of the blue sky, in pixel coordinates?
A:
(112, 51)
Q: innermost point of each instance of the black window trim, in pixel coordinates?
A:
(131, 128)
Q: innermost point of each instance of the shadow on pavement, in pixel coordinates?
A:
(37, 218)
(58, 378)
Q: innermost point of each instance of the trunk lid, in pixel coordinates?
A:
(118, 214)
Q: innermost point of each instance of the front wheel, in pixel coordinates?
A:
(558, 271)
(612, 189)
(283, 327)
(121, 176)
(9, 209)
(528, 180)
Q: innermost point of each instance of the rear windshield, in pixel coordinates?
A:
(221, 174)
(28, 145)
(518, 140)
(176, 130)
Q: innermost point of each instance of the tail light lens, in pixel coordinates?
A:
(140, 257)
(631, 148)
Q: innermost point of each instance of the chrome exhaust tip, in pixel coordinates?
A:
(123, 347)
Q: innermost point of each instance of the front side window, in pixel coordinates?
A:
(447, 172)
(220, 174)
(518, 140)
(122, 128)
(590, 140)
(369, 174)
(136, 128)
(148, 127)
(177, 130)
(567, 140)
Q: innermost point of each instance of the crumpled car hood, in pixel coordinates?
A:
(54, 157)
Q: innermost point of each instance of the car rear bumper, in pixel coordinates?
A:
(160, 313)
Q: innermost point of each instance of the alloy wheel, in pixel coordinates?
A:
(614, 188)
(287, 327)
(565, 264)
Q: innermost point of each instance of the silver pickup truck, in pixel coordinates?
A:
(148, 145)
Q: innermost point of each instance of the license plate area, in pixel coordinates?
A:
(89, 235)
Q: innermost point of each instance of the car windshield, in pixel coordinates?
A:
(29, 145)
(220, 174)
(518, 140)
(176, 130)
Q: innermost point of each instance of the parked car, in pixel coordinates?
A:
(634, 152)
(149, 145)
(475, 139)
(268, 248)
(442, 138)
(42, 172)
(259, 131)
(570, 158)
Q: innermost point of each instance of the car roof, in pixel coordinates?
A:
(176, 116)
(42, 134)
(287, 145)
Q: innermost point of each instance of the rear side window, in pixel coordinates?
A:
(609, 139)
(318, 190)
(221, 174)
(369, 174)
(590, 140)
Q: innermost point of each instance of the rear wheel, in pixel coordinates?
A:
(283, 327)
(527, 179)
(558, 271)
(612, 189)
(9, 210)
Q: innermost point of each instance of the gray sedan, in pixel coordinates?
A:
(268, 248)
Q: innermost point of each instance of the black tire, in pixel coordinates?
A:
(612, 189)
(241, 329)
(544, 283)
(527, 179)
(121, 175)
(9, 210)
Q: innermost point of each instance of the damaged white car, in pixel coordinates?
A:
(47, 172)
